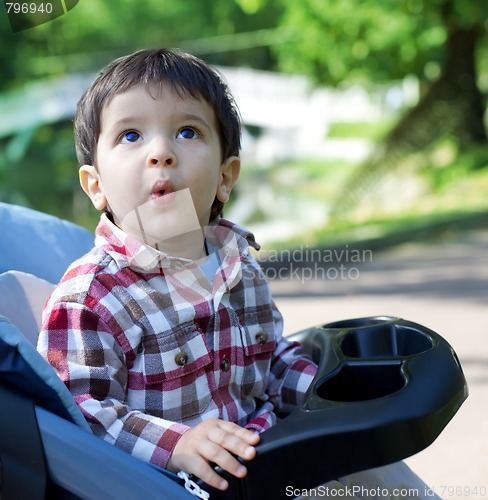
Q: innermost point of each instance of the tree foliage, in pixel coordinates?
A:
(371, 41)
(95, 32)
(366, 41)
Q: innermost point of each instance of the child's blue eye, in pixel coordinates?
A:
(129, 137)
(188, 133)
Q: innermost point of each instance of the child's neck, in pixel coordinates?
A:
(190, 245)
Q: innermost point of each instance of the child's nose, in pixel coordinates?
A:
(161, 153)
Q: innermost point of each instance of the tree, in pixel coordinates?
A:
(439, 41)
(94, 32)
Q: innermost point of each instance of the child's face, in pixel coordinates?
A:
(150, 147)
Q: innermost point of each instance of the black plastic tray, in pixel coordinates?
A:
(384, 390)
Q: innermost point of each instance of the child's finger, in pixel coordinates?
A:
(218, 455)
(245, 434)
(234, 440)
(200, 468)
(249, 436)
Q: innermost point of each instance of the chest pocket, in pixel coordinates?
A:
(259, 343)
(175, 375)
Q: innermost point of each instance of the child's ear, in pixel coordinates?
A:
(92, 185)
(229, 173)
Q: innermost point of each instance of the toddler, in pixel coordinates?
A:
(165, 332)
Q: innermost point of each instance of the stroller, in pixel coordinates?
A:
(385, 389)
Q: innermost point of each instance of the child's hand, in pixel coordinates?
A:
(214, 441)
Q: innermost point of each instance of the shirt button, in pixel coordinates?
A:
(225, 365)
(261, 338)
(181, 358)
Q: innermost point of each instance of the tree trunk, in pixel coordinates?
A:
(453, 106)
(461, 78)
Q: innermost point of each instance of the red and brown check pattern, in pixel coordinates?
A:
(148, 346)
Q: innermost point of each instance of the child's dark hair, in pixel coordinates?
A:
(186, 74)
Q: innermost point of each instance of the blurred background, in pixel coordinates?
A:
(361, 117)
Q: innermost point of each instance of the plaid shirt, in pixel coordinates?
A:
(149, 346)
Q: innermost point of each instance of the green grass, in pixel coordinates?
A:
(379, 234)
(360, 130)
(457, 201)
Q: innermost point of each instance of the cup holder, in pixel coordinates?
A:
(386, 340)
(360, 322)
(362, 382)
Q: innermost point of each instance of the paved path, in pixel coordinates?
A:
(443, 286)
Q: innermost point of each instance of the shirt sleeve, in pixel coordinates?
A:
(93, 365)
(291, 372)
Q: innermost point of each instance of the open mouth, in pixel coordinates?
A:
(163, 193)
(161, 188)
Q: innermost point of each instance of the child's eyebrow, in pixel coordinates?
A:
(128, 120)
(197, 118)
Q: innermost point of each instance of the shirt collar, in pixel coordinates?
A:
(127, 251)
